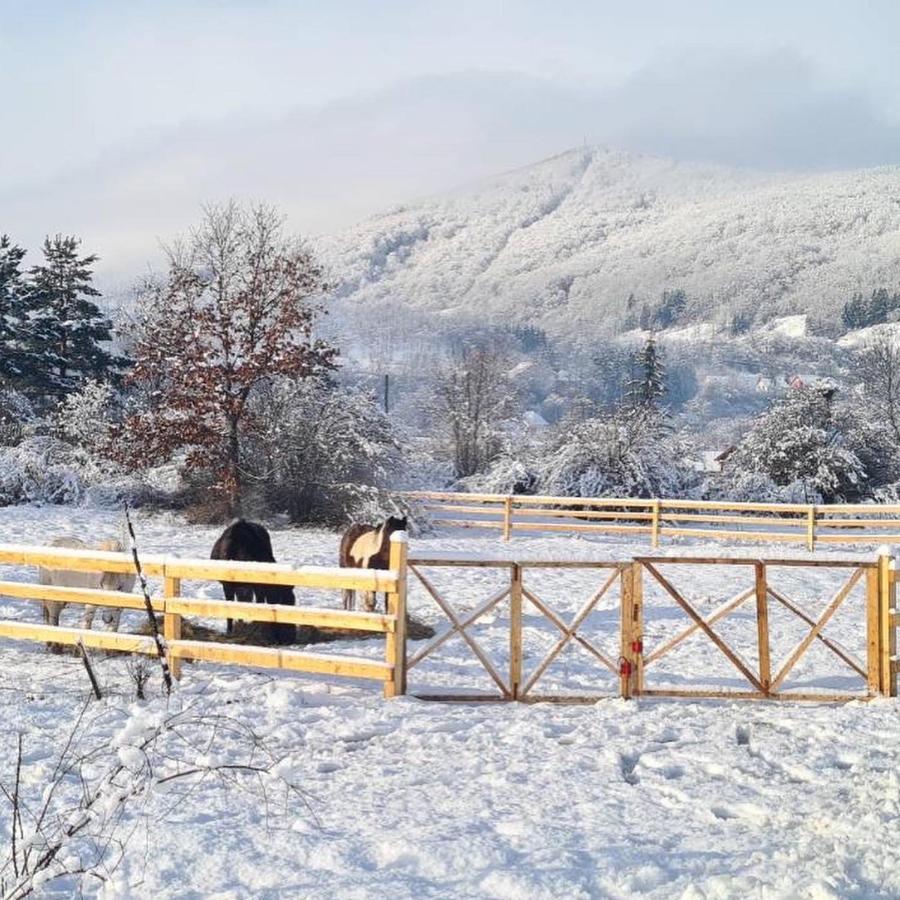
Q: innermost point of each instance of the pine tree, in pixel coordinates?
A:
(648, 386)
(15, 362)
(67, 328)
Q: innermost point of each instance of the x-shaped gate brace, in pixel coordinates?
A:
(763, 682)
(514, 688)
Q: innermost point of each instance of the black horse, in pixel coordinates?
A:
(250, 542)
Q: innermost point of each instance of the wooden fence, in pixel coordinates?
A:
(806, 524)
(874, 581)
(174, 606)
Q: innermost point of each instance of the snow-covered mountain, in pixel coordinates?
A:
(563, 244)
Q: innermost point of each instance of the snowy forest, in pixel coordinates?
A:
(233, 381)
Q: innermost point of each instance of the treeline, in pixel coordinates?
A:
(223, 398)
(53, 336)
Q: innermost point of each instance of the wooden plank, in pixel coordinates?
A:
(873, 632)
(752, 695)
(637, 628)
(867, 538)
(454, 495)
(76, 560)
(811, 529)
(21, 590)
(835, 648)
(290, 615)
(725, 519)
(725, 505)
(468, 523)
(172, 623)
(654, 528)
(720, 613)
(592, 529)
(395, 643)
(624, 502)
(324, 577)
(439, 639)
(592, 514)
(885, 602)
(762, 628)
(276, 658)
(822, 621)
(892, 632)
(626, 616)
(736, 661)
(786, 562)
(758, 536)
(473, 644)
(101, 640)
(515, 631)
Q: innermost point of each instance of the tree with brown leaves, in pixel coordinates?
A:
(237, 307)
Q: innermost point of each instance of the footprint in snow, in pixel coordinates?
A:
(627, 763)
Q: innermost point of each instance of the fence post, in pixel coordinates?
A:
(762, 626)
(873, 628)
(172, 623)
(395, 642)
(887, 634)
(811, 528)
(631, 660)
(637, 627)
(654, 525)
(507, 518)
(515, 631)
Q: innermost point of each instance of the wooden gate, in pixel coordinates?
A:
(518, 679)
(860, 581)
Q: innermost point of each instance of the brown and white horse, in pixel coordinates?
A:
(368, 547)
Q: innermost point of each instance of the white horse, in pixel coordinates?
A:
(106, 581)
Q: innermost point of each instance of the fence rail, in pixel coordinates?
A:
(174, 606)
(809, 525)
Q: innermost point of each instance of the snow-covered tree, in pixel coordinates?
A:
(620, 455)
(238, 306)
(474, 403)
(66, 330)
(798, 442)
(318, 451)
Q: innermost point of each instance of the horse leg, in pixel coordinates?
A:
(228, 588)
(87, 622)
(349, 599)
(369, 600)
(53, 610)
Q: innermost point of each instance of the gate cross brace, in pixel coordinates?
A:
(568, 632)
(704, 626)
(460, 627)
(830, 610)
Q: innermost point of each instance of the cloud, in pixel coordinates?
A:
(330, 166)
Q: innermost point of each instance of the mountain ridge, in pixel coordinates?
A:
(559, 243)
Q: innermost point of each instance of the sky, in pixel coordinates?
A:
(121, 119)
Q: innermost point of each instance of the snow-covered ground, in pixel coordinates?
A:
(658, 798)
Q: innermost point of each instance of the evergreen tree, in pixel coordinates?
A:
(14, 363)
(648, 386)
(67, 328)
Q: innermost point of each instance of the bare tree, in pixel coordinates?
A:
(475, 400)
(877, 366)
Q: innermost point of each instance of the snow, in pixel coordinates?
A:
(406, 798)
